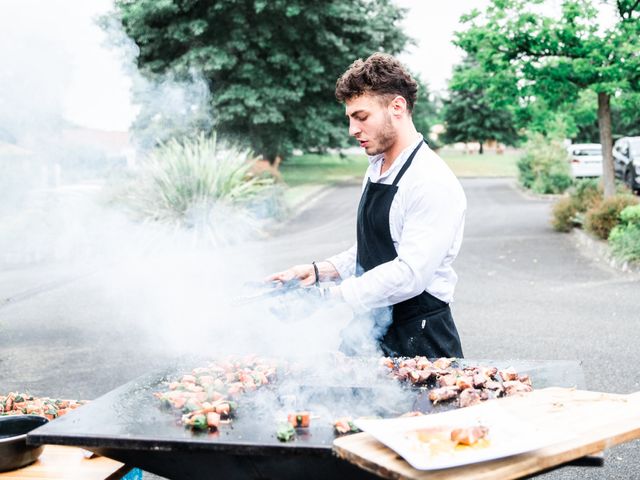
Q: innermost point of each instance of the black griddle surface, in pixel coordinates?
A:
(130, 417)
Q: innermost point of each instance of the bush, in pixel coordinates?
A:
(604, 216)
(625, 237)
(564, 213)
(586, 194)
(544, 167)
(569, 212)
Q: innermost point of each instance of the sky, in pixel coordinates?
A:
(87, 79)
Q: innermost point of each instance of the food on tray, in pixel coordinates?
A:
(299, 419)
(469, 435)
(207, 396)
(345, 425)
(285, 432)
(468, 385)
(24, 404)
(412, 414)
(446, 440)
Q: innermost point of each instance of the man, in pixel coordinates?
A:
(409, 227)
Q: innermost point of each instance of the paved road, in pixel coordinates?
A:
(524, 292)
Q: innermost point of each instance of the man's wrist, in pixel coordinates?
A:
(327, 271)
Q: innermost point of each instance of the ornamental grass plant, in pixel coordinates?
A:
(202, 185)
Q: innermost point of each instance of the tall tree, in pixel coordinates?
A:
(425, 112)
(271, 65)
(468, 113)
(558, 57)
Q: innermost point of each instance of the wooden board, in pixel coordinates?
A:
(68, 463)
(574, 423)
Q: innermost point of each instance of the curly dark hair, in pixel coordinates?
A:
(380, 74)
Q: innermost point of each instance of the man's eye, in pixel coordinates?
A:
(362, 119)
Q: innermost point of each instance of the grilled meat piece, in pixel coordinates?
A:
(420, 377)
(448, 380)
(464, 382)
(345, 425)
(515, 386)
(493, 385)
(479, 380)
(443, 394)
(423, 363)
(468, 397)
(443, 363)
(524, 378)
(469, 435)
(508, 374)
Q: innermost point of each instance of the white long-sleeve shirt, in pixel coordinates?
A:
(426, 220)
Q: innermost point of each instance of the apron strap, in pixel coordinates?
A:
(407, 164)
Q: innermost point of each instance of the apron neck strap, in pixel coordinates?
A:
(407, 164)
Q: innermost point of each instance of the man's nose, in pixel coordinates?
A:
(354, 129)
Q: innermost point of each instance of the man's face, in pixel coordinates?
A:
(370, 122)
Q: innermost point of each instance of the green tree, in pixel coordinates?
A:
(557, 58)
(468, 113)
(271, 65)
(425, 113)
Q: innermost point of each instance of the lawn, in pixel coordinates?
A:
(327, 169)
(489, 164)
(322, 168)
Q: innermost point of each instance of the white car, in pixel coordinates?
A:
(585, 159)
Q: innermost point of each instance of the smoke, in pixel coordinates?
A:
(146, 286)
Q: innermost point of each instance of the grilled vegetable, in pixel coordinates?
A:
(285, 433)
(299, 419)
(345, 425)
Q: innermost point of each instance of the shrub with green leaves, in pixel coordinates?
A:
(564, 214)
(624, 239)
(544, 167)
(200, 184)
(604, 216)
(569, 212)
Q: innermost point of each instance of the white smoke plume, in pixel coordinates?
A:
(154, 287)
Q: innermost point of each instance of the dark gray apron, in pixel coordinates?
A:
(421, 325)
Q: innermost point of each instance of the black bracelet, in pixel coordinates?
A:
(315, 270)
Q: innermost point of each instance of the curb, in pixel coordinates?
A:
(600, 251)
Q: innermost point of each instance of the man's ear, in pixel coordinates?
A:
(398, 106)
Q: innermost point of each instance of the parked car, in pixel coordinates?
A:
(626, 161)
(585, 159)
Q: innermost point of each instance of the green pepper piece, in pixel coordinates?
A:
(285, 433)
(199, 422)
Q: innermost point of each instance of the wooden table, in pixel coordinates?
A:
(68, 463)
(576, 423)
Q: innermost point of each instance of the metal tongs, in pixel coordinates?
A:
(266, 291)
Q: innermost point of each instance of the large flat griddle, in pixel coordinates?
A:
(128, 425)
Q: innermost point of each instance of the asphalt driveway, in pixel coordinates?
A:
(525, 292)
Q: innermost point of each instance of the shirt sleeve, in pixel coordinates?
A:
(433, 216)
(345, 262)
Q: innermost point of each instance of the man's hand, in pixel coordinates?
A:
(305, 274)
